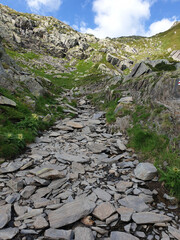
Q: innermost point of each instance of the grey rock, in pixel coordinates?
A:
(125, 100)
(105, 196)
(78, 168)
(74, 124)
(145, 171)
(100, 230)
(112, 59)
(7, 101)
(122, 236)
(140, 234)
(13, 198)
(20, 210)
(122, 186)
(8, 233)
(5, 215)
(82, 233)
(15, 184)
(58, 234)
(96, 147)
(138, 70)
(176, 55)
(40, 223)
(120, 145)
(32, 213)
(146, 198)
(127, 228)
(174, 232)
(111, 219)
(148, 217)
(72, 158)
(28, 231)
(28, 191)
(134, 202)
(70, 212)
(125, 213)
(12, 167)
(104, 210)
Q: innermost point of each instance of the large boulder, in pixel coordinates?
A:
(70, 213)
(145, 171)
(112, 59)
(138, 70)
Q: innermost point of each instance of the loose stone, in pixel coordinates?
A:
(104, 210)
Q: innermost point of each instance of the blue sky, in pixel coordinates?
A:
(112, 18)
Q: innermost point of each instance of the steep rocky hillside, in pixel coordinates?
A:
(41, 56)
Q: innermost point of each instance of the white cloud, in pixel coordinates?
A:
(115, 18)
(160, 26)
(119, 17)
(42, 6)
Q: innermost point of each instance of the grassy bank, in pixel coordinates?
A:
(144, 136)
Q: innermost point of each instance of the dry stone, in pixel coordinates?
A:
(70, 212)
(148, 217)
(122, 236)
(5, 215)
(56, 234)
(104, 210)
(125, 213)
(8, 233)
(145, 171)
(40, 223)
(7, 101)
(82, 233)
(105, 196)
(74, 124)
(134, 202)
(174, 232)
(122, 186)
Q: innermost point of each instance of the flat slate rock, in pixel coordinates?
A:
(74, 124)
(5, 215)
(122, 236)
(83, 233)
(174, 232)
(70, 213)
(104, 210)
(8, 233)
(145, 171)
(12, 167)
(105, 196)
(148, 217)
(121, 145)
(58, 234)
(7, 101)
(125, 213)
(134, 202)
(96, 147)
(122, 186)
(71, 158)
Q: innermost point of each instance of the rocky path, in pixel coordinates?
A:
(80, 182)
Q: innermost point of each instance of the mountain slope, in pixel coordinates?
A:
(41, 59)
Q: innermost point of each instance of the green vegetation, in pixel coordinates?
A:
(163, 67)
(26, 56)
(143, 135)
(171, 177)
